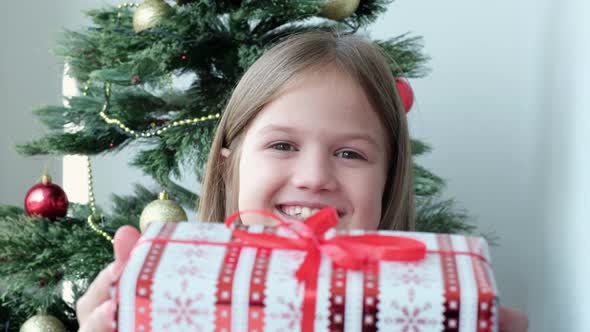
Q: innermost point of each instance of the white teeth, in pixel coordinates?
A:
(301, 212)
(305, 212)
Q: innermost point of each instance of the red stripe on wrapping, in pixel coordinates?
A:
(370, 297)
(257, 286)
(225, 282)
(451, 284)
(143, 290)
(337, 298)
(485, 293)
(493, 304)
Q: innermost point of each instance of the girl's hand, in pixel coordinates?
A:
(95, 308)
(513, 320)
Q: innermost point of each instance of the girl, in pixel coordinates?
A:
(316, 121)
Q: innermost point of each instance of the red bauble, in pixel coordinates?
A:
(46, 199)
(405, 92)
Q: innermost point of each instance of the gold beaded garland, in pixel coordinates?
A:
(127, 5)
(98, 230)
(94, 216)
(150, 132)
(124, 6)
(91, 199)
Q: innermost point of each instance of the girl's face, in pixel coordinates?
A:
(318, 144)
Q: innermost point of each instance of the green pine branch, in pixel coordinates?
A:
(405, 56)
(38, 257)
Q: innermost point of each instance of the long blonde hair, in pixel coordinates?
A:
(361, 59)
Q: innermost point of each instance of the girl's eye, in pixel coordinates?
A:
(347, 154)
(283, 147)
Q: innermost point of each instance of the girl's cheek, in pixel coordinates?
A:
(274, 167)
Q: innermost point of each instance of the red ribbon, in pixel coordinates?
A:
(348, 251)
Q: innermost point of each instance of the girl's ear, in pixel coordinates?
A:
(225, 167)
(225, 152)
(223, 155)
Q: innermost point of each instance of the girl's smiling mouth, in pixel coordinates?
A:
(301, 210)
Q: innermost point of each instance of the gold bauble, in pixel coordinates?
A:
(43, 323)
(163, 209)
(149, 13)
(339, 9)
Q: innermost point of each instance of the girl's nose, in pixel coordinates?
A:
(314, 171)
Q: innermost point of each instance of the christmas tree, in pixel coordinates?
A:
(125, 63)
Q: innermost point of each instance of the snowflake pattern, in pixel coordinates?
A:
(206, 231)
(417, 274)
(410, 316)
(290, 314)
(414, 274)
(192, 261)
(197, 252)
(182, 309)
(193, 270)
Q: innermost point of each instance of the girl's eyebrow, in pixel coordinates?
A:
(272, 127)
(361, 137)
(344, 136)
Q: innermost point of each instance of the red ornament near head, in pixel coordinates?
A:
(406, 92)
(46, 199)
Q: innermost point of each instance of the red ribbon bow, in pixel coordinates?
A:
(348, 251)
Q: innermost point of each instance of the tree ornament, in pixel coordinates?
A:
(46, 199)
(150, 13)
(42, 323)
(163, 209)
(406, 93)
(339, 9)
(135, 80)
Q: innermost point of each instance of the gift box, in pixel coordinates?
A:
(304, 277)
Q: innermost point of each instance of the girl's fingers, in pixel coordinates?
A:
(100, 320)
(123, 243)
(97, 293)
(513, 320)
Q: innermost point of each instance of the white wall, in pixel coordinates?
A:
(29, 77)
(568, 187)
(480, 110)
(503, 109)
